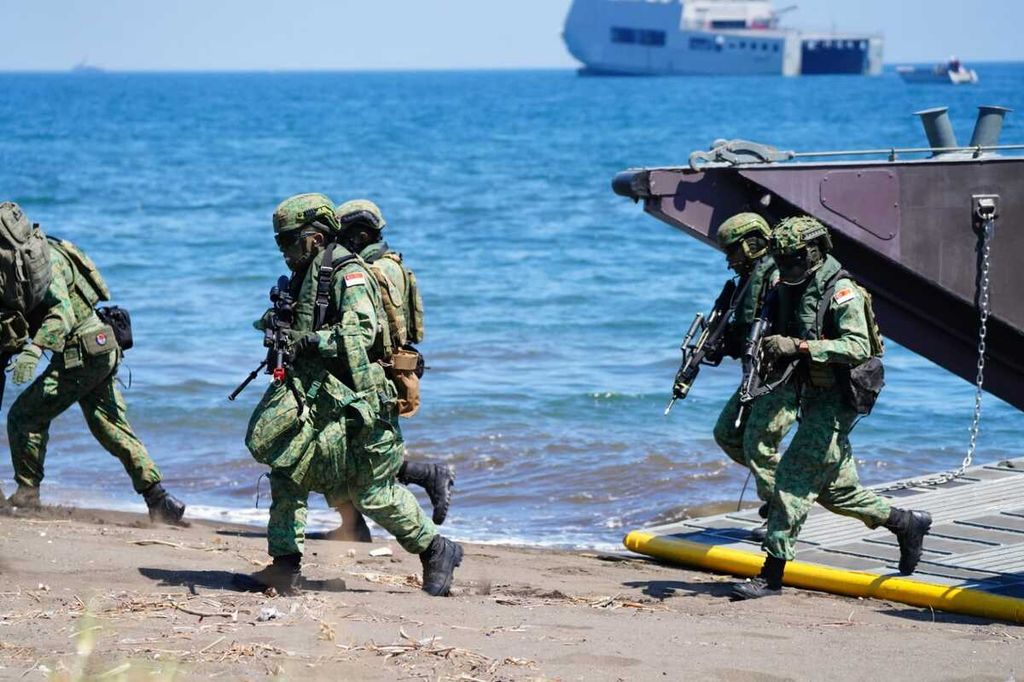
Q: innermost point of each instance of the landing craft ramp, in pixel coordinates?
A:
(973, 560)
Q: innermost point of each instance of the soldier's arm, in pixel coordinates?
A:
(350, 292)
(60, 316)
(852, 344)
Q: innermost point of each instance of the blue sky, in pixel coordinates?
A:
(433, 34)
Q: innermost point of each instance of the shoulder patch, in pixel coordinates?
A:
(844, 295)
(355, 279)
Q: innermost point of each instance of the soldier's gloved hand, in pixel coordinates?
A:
(25, 365)
(778, 346)
(302, 342)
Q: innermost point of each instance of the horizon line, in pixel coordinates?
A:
(95, 69)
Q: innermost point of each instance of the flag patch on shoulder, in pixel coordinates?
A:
(844, 295)
(355, 279)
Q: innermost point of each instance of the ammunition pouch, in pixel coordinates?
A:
(98, 341)
(862, 384)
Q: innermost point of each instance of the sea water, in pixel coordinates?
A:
(554, 308)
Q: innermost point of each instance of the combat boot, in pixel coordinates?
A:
(25, 497)
(163, 506)
(439, 562)
(437, 479)
(283, 575)
(910, 528)
(3, 501)
(767, 584)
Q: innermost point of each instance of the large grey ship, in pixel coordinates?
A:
(708, 37)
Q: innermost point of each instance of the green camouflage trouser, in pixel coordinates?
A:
(755, 444)
(367, 479)
(818, 465)
(94, 387)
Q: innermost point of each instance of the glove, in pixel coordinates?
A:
(777, 346)
(302, 342)
(25, 365)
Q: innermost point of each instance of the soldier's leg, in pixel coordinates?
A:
(808, 467)
(846, 496)
(28, 422)
(771, 417)
(375, 460)
(729, 436)
(286, 530)
(107, 416)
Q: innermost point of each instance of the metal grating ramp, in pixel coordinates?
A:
(976, 541)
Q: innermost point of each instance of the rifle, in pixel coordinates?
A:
(753, 385)
(709, 331)
(13, 333)
(275, 339)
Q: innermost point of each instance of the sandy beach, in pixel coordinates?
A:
(106, 593)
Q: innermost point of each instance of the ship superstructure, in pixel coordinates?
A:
(708, 37)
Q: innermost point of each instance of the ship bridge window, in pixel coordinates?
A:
(623, 35)
(702, 43)
(728, 23)
(634, 36)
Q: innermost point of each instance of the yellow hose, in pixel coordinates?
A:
(837, 581)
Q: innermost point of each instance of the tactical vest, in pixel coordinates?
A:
(804, 314)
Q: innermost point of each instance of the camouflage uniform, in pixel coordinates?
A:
(60, 324)
(818, 464)
(355, 450)
(755, 443)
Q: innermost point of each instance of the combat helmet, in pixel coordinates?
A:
(360, 212)
(305, 210)
(744, 238)
(799, 245)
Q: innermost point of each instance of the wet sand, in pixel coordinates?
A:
(106, 593)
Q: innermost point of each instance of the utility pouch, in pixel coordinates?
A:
(120, 321)
(98, 341)
(277, 436)
(405, 372)
(862, 385)
(73, 356)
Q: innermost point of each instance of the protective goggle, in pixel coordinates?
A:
(360, 218)
(792, 261)
(286, 240)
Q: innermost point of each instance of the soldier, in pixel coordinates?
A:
(83, 369)
(362, 225)
(754, 443)
(331, 425)
(823, 321)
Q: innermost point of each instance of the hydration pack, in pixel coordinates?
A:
(25, 270)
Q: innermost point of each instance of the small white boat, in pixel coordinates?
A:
(952, 72)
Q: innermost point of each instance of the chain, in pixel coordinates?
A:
(984, 310)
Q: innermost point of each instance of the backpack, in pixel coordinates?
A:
(25, 270)
(861, 384)
(406, 362)
(88, 281)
